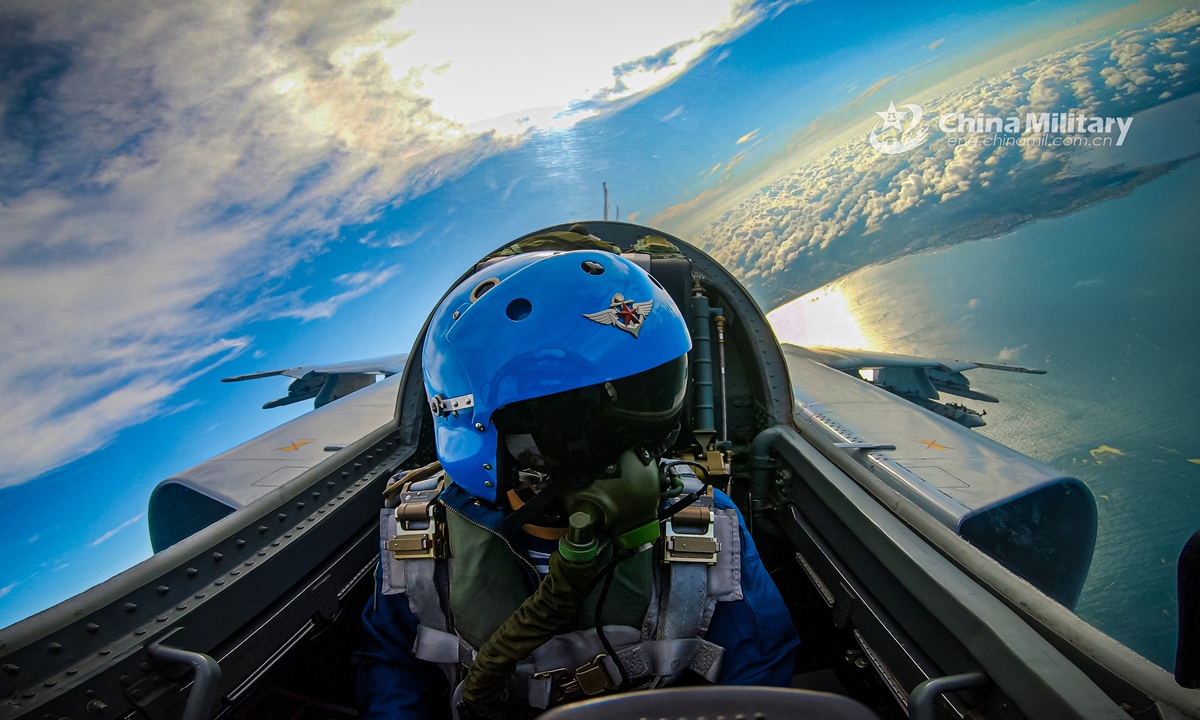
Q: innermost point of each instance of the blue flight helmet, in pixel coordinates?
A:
(536, 325)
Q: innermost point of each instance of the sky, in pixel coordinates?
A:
(198, 190)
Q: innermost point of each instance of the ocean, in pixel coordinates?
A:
(1107, 301)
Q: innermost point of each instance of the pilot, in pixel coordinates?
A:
(555, 551)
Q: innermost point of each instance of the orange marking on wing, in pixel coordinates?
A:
(293, 446)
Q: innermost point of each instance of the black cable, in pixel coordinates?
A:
(692, 463)
(617, 558)
(675, 508)
(609, 573)
(608, 581)
(685, 501)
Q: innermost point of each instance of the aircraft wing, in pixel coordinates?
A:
(383, 365)
(919, 380)
(326, 383)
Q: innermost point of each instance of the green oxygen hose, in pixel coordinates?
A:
(550, 611)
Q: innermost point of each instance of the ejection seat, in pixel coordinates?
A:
(726, 701)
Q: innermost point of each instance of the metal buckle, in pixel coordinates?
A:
(408, 545)
(589, 679)
(695, 548)
(593, 678)
(427, 542)
(557, 678)
(412, 544)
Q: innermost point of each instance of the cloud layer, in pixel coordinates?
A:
(856, 206)
(164, 167)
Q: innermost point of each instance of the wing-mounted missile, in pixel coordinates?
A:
(326, 383)
(955, 383)
(918, 380)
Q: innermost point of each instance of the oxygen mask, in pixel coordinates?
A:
(620, 505)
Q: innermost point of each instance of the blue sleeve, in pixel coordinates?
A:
(392, 683)
(757, 633)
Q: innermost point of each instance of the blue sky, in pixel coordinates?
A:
(189, 204)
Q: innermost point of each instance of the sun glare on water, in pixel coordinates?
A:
(823, 317)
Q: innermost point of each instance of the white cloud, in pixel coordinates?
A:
(814, 216)
(359, 284)
(748, 137)
(1009, 354)
(535, 58)
(8, 588)
(108, 535)
(176, 162)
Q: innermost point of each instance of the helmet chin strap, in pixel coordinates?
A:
(528, 513)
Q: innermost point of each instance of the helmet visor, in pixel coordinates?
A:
(583, 429)
(655, 395)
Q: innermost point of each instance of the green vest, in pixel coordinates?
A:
(489, 580)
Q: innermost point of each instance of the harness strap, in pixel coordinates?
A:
(574, 665)
(685, 601)
(577, 666)
(414, 542)
(393, 569)
(423, 596)
(725, 577)
(668, 657)
(442, 647)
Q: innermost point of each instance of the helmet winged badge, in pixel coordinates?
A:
(624, 314)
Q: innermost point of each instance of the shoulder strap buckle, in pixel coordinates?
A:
(698, 544)
(420, 522)
(591, 678)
